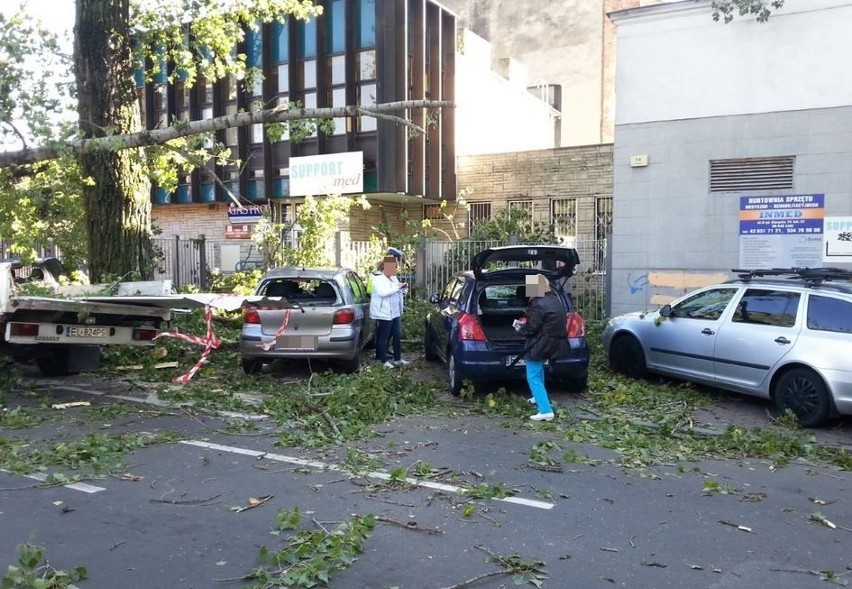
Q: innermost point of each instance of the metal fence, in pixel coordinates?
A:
(437, 261)
(186, 262)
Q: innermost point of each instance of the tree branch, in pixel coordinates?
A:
(278, 114)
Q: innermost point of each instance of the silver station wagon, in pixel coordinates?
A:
(784, 335)
(330, 319)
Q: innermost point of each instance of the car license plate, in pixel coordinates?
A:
(86, 332)
(296, 342)
(510, 359)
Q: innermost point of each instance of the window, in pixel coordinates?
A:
(563, 213)
(829, 314)
(308, 39)
(358, 289)
(707, 305)
(432, 212)
(749, 174)
(366, 25)
(767, 307)
(336, 34)
(479, 211)
(367, 97)
(603, 216)
(453, 291)
(280, 42)
(526, 205)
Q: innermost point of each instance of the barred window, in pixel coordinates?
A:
(563, 213)
(479, 211)
(603, 216)
(526, 205)
(432, 212)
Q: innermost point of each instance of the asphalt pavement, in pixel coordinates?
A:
(195, 513)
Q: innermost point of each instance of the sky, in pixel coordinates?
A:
(57, 15)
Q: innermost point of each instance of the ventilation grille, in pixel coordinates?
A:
(749, 174)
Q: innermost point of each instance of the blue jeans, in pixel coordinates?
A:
(535, 379)
(388, 329)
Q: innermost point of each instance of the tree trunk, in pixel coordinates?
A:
(116, 196)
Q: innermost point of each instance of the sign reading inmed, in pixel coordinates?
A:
(333, 173)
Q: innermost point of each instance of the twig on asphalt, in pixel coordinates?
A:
(188, 501)
(476, 579)
(377, 498)
(408, 525)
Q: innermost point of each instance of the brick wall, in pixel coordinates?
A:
(583, 173)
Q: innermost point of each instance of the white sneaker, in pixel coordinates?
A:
(401, 362)
(389, 365)
(542, 417)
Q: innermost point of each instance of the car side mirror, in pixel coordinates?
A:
(435, 299)
(666, 311)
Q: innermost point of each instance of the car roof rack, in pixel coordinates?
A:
(811, 276)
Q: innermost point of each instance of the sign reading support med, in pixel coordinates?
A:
(838, 240)
(781, 231)
(333, 173)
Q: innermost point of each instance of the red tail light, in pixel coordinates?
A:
(144, 334)
(250, 315)
(574, 325)
(24, 329)
(343, 316)
(470, 328)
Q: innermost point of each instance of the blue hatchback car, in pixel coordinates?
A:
(470, 327)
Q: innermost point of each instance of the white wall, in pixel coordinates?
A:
(493, 114)
(690, 90)
(674, 62)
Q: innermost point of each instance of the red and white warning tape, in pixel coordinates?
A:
(271, 344)
(210, 342)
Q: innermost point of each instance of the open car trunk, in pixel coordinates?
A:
(497, 307)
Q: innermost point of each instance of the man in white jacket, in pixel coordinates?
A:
(386, 308)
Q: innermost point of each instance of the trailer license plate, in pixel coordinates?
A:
(86, 332)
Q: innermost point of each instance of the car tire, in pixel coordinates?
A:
(429, 345)
(803, 392)
(454, 380)
(350, 366)
(576, 385)
(252, 365)
(627, 357)
(55, 365)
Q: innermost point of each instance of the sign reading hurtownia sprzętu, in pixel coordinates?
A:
(781, 231)
(333, 173)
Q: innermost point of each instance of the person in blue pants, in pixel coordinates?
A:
(544, 330)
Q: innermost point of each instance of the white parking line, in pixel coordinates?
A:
(375, 474)
(37, 476)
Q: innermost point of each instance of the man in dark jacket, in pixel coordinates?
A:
(544, 329)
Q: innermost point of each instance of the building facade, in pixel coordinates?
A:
(360, 52)
(718, 125)
(567, 48)
(568, 187)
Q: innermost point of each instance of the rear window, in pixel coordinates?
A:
(829, 314)
(300, 289)
(503, 297)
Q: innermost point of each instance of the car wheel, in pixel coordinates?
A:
(576, 385)
(349, 366)
(453, 378)
(55, 365)
(626, 356)
(429, 345)
(252, 365)
(803, 392)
